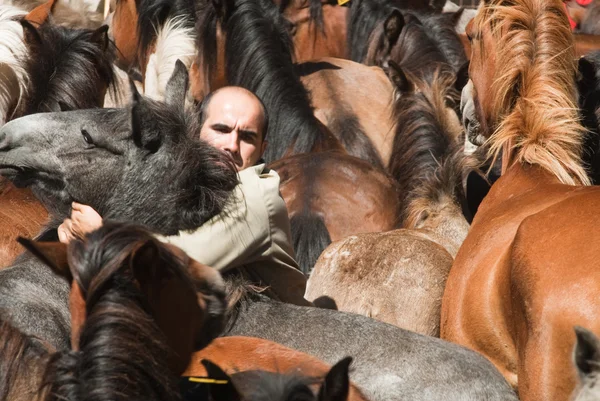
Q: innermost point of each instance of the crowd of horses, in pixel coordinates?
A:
(389, 122)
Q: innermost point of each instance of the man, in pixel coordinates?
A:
(253, 233)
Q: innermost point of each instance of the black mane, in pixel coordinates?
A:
(258, 53)
(123, 354)
(421, 140)
(67, 66)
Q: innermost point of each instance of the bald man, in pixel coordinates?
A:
(252, 234)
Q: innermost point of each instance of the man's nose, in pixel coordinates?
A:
(233, 144)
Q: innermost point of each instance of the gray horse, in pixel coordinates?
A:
(139, 164)
(117, 161)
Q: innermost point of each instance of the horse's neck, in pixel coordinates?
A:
(449, 227)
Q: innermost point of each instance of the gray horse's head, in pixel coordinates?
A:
(144, 163)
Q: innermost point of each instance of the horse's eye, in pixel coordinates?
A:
(87, 137)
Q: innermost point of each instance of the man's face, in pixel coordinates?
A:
(234, 124)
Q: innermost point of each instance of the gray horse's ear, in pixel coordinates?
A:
(587, 352)
(52, 254)
(177, 86)
(336, 385)
(148, 141)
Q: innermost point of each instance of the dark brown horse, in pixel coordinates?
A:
(59, 68)
(528, 272)
(330, 196)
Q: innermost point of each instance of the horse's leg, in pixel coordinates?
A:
(476, 310)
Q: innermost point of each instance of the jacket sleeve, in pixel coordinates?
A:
(239, 234)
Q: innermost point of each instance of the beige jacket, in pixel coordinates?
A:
(251, 234)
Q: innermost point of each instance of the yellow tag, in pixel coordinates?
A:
(207, 380)
(342, 2)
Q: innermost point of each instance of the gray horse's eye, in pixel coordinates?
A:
(87, 137)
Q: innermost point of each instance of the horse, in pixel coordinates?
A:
(330, 196)
(189, 180)
(360, 116)
(429, 166)
(365, 15)
(318, 29)
(259, 366)
(45, 67)
(127, 289)
(129, 140)
(418, 42)
(518, 260)
(67, 14)
(586, 358)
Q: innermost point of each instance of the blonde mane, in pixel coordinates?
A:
(534, 92)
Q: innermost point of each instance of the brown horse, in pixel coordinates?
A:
(359, 115)
(415, 259)
(330, 196)
(528, 270)
(61, 68)
(318, 30)
(242, 355)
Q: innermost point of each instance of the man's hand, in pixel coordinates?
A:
(84, 219)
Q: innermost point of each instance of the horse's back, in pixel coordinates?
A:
(390, 363)
(364, 273)
(343, 92)
(555, 285)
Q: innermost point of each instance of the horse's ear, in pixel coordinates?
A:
(177, 86)
(399, 78)
(586, 70)
(587, 352)
(462, 77)
(393, 26)
(336, 385)
(52, 254)
(100, 37)
(437, 5)
(220, 392)
(40, 14)
(148, 141)
(30, 32)
(456, 16)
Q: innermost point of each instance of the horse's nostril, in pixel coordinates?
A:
(4, 143)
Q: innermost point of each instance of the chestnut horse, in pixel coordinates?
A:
(318, 30)
(427, 163)
(510, 294)
(330, 196)
(48, 68)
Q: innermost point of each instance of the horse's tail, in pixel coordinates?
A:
(310, 238)
(16, 351)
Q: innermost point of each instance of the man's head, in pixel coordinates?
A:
(234, 120)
